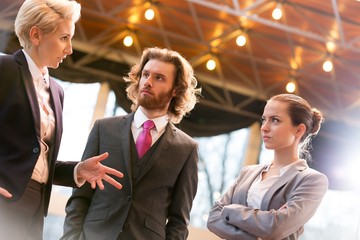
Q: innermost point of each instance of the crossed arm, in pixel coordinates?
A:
(236, 221)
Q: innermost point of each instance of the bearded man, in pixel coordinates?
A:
(160, 167)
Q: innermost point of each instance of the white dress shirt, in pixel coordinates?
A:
(47, 119)
(156, 132)
(260, 186)
(47, 124)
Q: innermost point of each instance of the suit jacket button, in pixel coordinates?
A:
(128, 198)
(35, 150)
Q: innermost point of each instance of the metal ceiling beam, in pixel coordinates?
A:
(92, 49)
(338, 21)
(256, 18)
(269, 23)
(230, 109)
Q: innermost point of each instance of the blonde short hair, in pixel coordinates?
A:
(46, 15)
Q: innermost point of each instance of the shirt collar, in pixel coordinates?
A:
(140, 118)
(287, 167)
(35, 71)
(295, 164)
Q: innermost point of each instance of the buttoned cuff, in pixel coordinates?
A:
(225, 214)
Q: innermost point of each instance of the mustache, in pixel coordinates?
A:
(145, 88)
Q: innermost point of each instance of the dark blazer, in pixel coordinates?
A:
(155, 207)
(286, 206)
(20, 129)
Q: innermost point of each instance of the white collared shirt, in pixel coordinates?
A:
(47, 119)
(47, 125)
(259, 187)
(156, 132)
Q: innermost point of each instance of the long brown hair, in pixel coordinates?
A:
(185, 82)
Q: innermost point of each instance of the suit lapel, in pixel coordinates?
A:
(29, 88)
(125, 143)
(56, 99)
(56, 103)
(288, 175)
(246, 183)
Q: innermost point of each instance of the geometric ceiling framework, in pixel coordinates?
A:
(292, 48)
(277, 51)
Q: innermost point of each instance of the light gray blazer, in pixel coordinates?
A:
(285, 208)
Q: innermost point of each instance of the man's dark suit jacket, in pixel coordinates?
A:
(155, 206)
(20, 129)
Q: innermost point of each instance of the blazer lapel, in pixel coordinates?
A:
(246, 183)
(285, 178)
(29, 88)
(125, 143)
(56, 105)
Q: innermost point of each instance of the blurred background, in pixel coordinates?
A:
(243, 52)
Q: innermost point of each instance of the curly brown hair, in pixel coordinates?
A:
(185, 82)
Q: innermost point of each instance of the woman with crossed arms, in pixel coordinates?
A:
(275, 200)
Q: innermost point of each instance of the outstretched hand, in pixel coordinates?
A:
(5, 193)
(94, 172)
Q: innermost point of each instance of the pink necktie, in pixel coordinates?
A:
(143, 143)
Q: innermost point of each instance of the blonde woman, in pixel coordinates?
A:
(31, 105)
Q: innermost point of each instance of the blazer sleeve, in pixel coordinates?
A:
(217, 224)
(183, 196)
(64, 173)
(301, 205)
(78, 204)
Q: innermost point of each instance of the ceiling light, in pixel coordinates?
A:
(128, 41)
(149, 14)
(293, 64)
(277, 12)
(211, 64)
(241, 40)
(330, 46)
(327, 66)
(291, 86)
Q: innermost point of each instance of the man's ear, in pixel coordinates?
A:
(35, 35)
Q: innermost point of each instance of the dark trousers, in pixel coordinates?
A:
(23, 219)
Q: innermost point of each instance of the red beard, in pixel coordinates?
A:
(149, 101)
